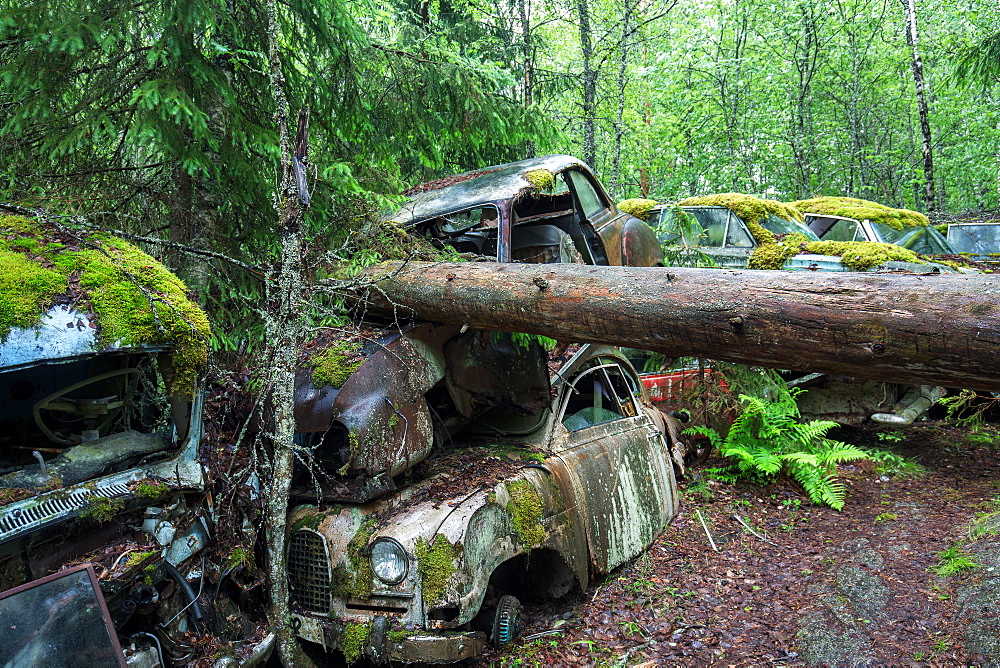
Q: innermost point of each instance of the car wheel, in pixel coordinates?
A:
(506, 621)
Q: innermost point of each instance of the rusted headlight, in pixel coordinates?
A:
(389, 561)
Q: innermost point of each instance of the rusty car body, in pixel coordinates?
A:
(99, 460)
(541, 484)
(549, 209)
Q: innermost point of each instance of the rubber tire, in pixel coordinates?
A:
(506, 621)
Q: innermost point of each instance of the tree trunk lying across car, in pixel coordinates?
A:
(933, 328)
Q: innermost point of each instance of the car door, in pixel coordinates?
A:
(611, 463)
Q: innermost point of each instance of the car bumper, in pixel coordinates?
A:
(381, 646)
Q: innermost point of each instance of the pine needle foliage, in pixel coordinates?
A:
(768, 438)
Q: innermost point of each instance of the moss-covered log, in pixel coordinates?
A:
(928, 329)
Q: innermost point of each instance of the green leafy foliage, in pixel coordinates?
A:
(768, 438)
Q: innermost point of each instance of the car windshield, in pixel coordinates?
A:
(69, 421)
(981, 239)
(925, 240)
(704, 226)
(780, 225)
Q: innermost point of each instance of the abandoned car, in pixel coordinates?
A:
(850, 219)
(541, 210)
(741, 231)
(539, 484)
(99, 436)
(978, 240)
(737, 231)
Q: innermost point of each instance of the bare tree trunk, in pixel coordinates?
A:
(910, 11)
(527, 52)
(924, 329)
(619, 125)
(589, 86)
(284, 329)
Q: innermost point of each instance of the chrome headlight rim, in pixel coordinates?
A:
(397, 551)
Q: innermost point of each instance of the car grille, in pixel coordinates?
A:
(309, 571)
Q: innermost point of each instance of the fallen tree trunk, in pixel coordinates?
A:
(922, 329)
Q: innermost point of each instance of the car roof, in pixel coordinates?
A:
(481, 186)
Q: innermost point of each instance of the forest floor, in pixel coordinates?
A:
(907, 574)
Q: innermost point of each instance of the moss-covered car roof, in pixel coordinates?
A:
(749, 208)
(772, 251)
(132, 300)
(862, 209)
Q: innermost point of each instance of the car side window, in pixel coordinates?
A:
(737, 235)
(842, 230)
(598, 395)
(714, 223)
(480, 216)
(590, 200)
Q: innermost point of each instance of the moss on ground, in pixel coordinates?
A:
(136, 300)
(436, 564)
(862, 209)
(525, 509)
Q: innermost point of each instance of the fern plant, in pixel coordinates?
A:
(768, 438)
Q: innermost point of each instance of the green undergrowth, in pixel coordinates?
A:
(953, 561)
(768, 438)
(135, 299)
(862, 209)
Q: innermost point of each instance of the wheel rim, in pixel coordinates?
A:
(507, 621)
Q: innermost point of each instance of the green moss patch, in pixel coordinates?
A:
(525, 509)
(102, 510)
(749, 208)
(863, 255)
(355, 581)
(862, 209)
(335, 364)
(638, 207)
(436, 564)
(540, 179)
(136, 300)
(352, 641)
(151, 489)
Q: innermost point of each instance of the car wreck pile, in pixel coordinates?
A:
(101, 354)
(446, 471)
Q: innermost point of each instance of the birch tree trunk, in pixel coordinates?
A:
(910, 12)
(283, 320)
